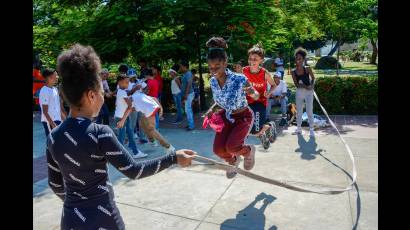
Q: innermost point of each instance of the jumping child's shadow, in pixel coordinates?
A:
(251, 217)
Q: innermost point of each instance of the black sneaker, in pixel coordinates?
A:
(189, 129)
(264, 140)
(271, 132)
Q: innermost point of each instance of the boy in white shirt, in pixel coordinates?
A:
(52, 110)
(148, 106)
(279, 65)
(121, 105)
(278, 96)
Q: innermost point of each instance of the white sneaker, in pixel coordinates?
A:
(231, 172)
(312, 133)
(297, 131)
(140, 155)
(170, 149)
(154, 144)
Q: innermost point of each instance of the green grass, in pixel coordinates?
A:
(354, 66)
(362, 66)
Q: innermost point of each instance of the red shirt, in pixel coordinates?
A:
(153, 87)
(37, 85)
(160, 83)
(258, 81)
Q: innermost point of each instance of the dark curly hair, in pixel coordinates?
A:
(79, 68)
(302, 52)
(48, 72)
(217, 46)
(123, 68)
(258, 50)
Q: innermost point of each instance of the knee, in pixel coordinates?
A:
(232, 147)
(220, 150)
(149, 128)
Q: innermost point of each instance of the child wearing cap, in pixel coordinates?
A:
(120, 107)
(278, 97)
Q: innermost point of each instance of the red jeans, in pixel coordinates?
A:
(230, 142)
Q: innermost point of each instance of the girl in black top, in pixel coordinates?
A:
(304, 79)
(78, 150)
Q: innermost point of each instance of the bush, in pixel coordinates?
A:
(347, 95)
(356, 56)
(327, 62)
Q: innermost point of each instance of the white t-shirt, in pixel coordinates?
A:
(142, 83)
(120, 104)
(132, 84)
(279, 61)
(280, 89)
(144, 103)
(49, 96)
(174, 87)
(106, 88)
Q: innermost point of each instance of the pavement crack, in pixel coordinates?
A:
(206, 215)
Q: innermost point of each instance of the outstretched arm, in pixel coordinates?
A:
(119, 157)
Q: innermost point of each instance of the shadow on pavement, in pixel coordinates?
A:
(307, 148)
(251, 217)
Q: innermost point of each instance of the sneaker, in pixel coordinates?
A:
(249, 161)
(170, 149)
(231, 172)
(140, 155)
(271, 132)
(264, 140)
(189, 129)
(154, 144)
(298, 131)
(311, 133)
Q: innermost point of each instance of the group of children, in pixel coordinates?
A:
(146, 91)
(78, 149)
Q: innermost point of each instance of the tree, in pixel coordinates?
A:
(369, 24)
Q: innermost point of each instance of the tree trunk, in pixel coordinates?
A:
(318, 52)
(374, 54)
(337, 62)
(334, 49)
(202, 101)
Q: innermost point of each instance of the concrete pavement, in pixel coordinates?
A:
(202, 198)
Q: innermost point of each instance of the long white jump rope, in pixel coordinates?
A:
(328, 191)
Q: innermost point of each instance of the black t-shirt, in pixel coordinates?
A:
(304, 77)
(77, 155)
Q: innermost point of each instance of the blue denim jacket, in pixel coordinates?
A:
(232, 96)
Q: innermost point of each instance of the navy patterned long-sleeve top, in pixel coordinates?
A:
(77, 155)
